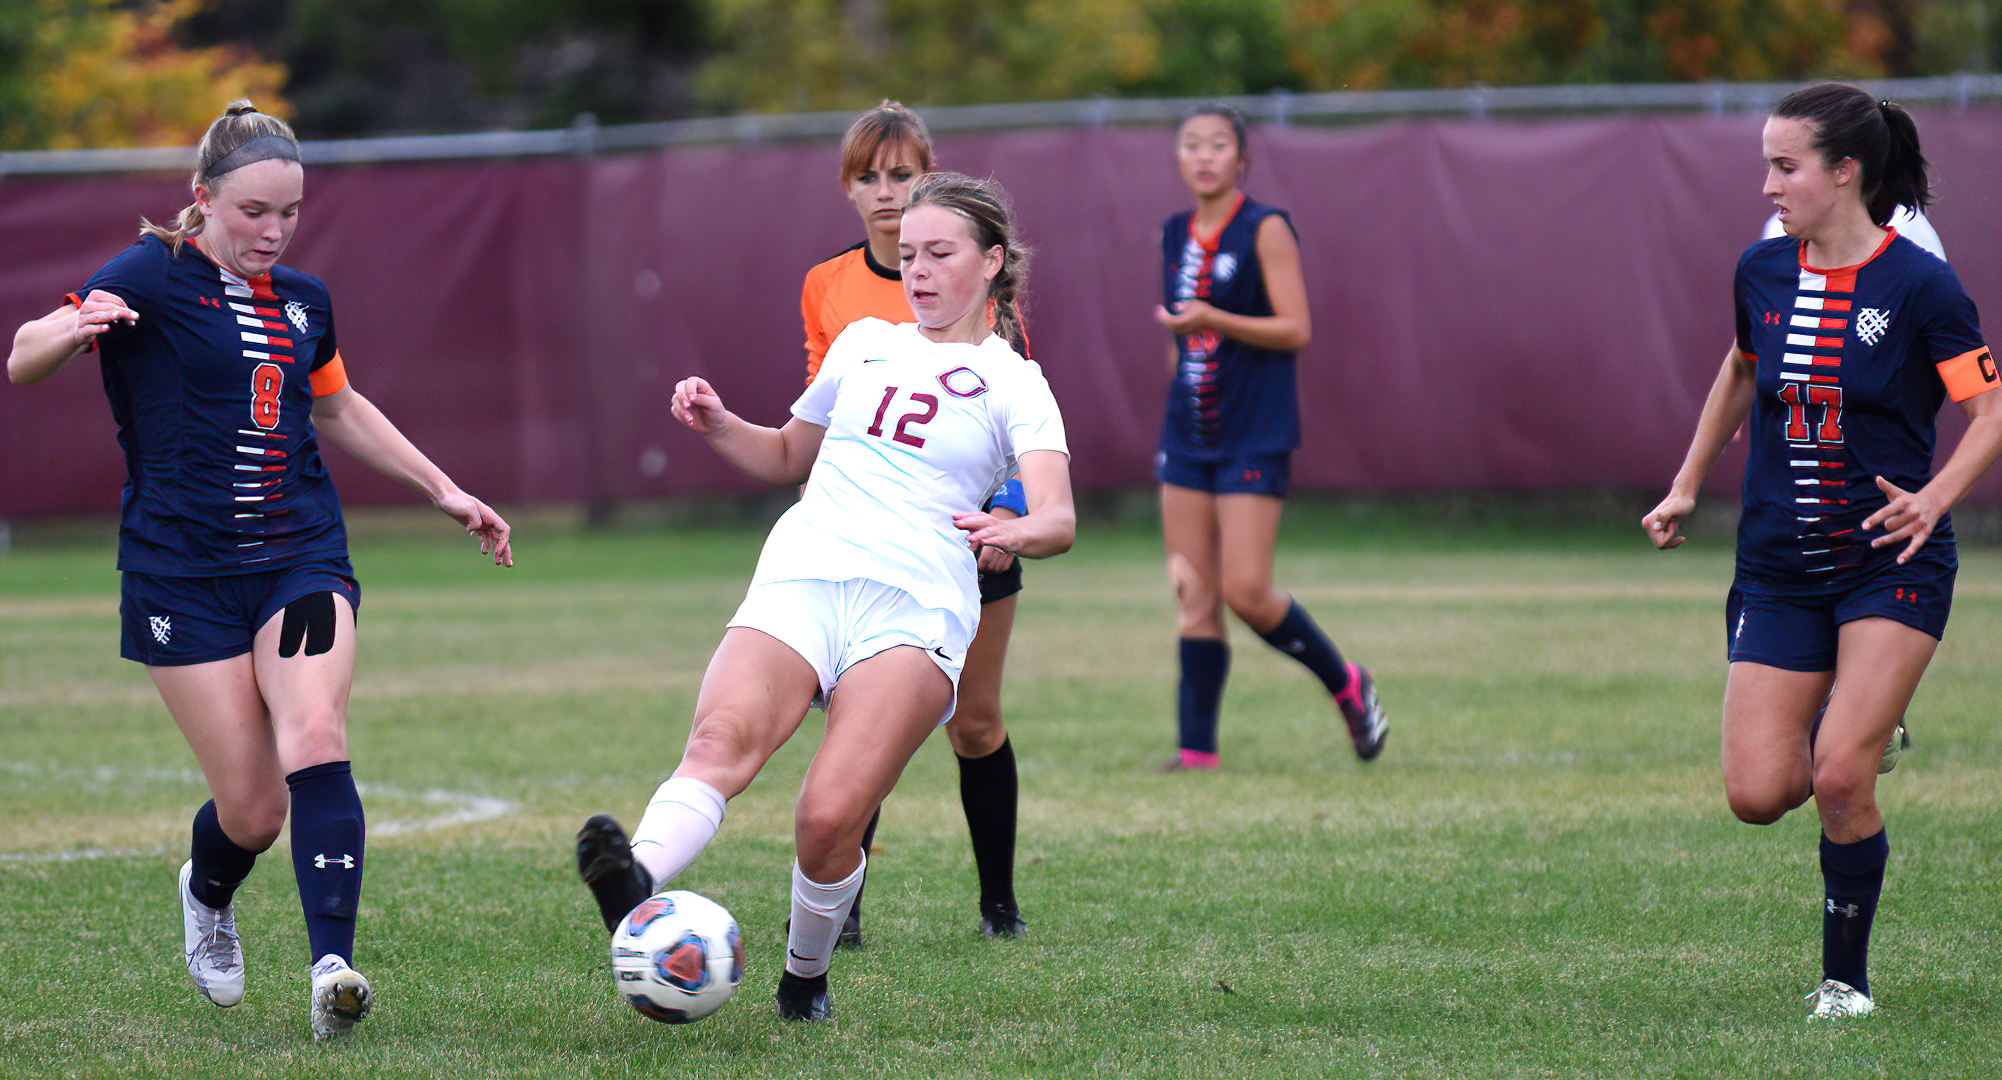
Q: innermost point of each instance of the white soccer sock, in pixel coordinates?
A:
(680, 820)
(817, 914)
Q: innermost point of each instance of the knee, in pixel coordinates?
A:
(253, 821)
(1245, 597)
(1762, 804)
(826, 834)
(976, 730)
(1758, 811)
(1842, 787)
(1195, 593)
(315, 738)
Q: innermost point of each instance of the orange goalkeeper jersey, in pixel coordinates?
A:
(850, 286)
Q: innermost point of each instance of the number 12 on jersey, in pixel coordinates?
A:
(915, 417)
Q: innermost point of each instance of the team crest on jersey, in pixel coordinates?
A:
(296, 311)
(1871, 324)
(161, 627)
(1222, 267)
(963, 382)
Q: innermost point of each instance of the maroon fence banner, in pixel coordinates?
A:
(1496, 305)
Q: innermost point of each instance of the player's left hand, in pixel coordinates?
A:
(992, 541)
(480, 521)
(1189, 317)
(1909, 516)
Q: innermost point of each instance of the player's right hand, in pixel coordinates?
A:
(100, 312)
(1663, 523)
(697, 405)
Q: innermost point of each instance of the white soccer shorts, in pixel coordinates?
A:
(834, 625)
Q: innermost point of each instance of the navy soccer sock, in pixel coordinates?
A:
(1854, 877)
(220, 865)
(1205, 666)
(988, 790)
(1298, 637)
(327, 831)
(868, 841)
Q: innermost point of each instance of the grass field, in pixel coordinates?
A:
(1539, 878)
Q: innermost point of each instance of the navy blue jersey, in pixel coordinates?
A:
(1228, 399)
(1852, 365)
(213, 393)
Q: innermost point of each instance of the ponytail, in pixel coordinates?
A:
(226, 147)
(985, 205)
(1879, 136)
(1904, 180)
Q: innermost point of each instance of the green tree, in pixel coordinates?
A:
(89, 73)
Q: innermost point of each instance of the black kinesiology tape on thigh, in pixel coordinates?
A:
(311, 618)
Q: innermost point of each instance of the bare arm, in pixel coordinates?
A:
(1050, 526)
(1287, 329)
(1724, 412)
(1911, 515)
(773, 455)
(42, 346)
(353, 423)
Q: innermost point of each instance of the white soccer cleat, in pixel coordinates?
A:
(1834, 999)
(340, 997)
(209, 942)
(1889, 759)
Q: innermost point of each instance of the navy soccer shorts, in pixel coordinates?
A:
(174, 621)
(1256, 474)
(1794, 632)
(1002, 584)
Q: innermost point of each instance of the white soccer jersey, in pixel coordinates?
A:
(916, 431)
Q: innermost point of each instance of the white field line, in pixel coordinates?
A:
(456, 808)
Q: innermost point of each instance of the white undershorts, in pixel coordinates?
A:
(834, 625)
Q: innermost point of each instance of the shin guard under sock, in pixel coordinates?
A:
(1205, 666)
(327, 839)
(1300, 638)
(817, 914)
(220, 865)
(680, 820)
(988, 790)
(1854, 878)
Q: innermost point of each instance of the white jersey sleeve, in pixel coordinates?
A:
(1030, 419)
(816, 403)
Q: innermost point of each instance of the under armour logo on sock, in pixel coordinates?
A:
(1847, 910)
(346, 862)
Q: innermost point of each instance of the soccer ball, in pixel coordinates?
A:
(677, 957)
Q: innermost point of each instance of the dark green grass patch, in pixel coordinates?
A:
(1539, 878)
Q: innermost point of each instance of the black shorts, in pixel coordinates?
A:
(174, 621)
(1796, 632)
(1001, 584)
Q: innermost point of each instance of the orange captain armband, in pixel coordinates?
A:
(1970, 374)
(331, 378)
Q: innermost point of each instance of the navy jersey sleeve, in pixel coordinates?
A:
(327, 351)
(138, 276)
(1743, 325)
(1951, 331)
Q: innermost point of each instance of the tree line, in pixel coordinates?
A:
(88, 73)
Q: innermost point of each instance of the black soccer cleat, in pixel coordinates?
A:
(1368, 727)
(605, 862)
(803, 999)
(1002, 921)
